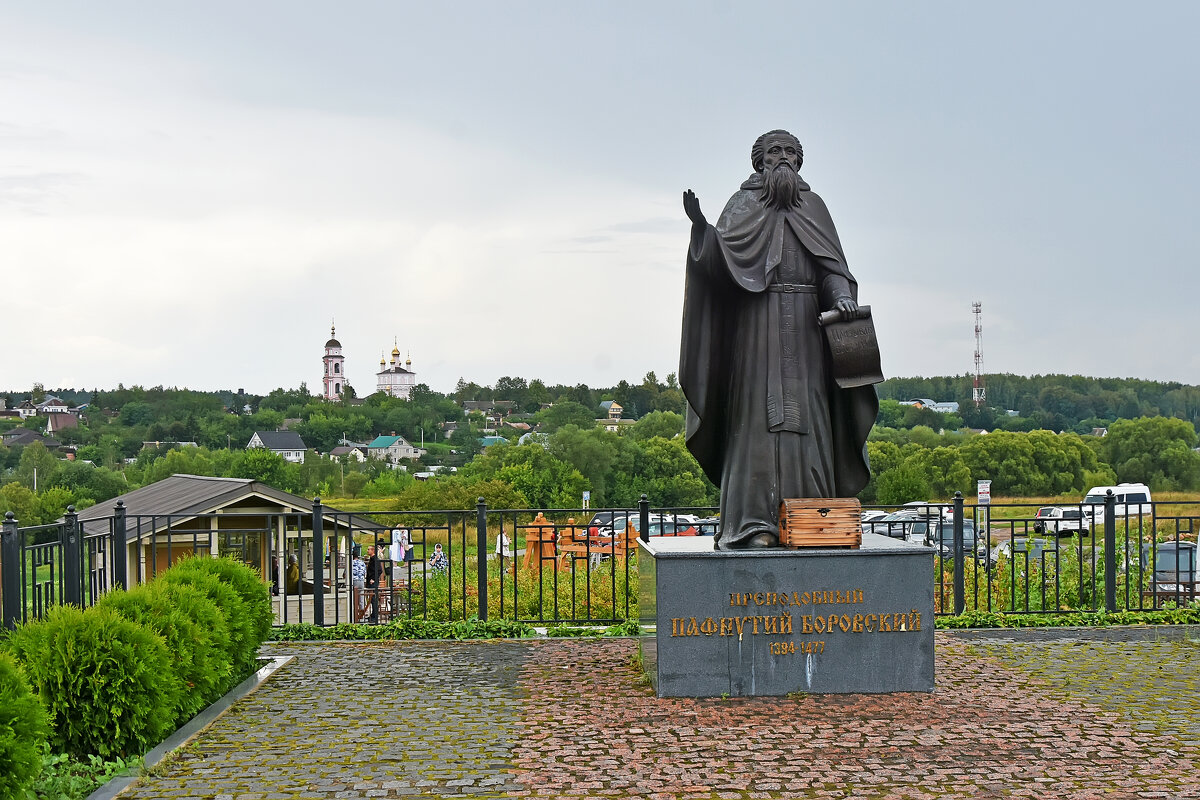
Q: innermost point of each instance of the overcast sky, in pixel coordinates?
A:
(191, 191)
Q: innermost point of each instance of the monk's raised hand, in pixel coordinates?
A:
(691, 205)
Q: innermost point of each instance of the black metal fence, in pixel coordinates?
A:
(1020, 558)
(539, 566)
(579, 565)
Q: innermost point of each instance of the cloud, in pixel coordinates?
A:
(31, 192)
(201, 190)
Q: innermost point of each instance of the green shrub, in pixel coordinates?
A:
(1188, 615)
(23, 730)
(242, 643)
(108, 683)
(65, 777)
(151, 605)
(406, 629)
(246, 581)
(215, 650)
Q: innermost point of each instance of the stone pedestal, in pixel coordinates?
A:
(773, 622)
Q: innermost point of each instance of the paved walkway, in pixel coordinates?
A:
(1084, 714)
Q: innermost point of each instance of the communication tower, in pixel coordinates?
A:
(979, 391)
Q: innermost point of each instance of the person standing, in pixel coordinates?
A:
(292, 580)
(374, 575)
(358, 581)
(438, 561)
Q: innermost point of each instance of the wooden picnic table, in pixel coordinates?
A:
(596, 547)
(540, 543)
(545, 541)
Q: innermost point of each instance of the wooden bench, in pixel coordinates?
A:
(1181, 593)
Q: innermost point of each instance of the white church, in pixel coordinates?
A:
(394, 378)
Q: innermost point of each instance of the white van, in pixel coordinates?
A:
(1132, 498)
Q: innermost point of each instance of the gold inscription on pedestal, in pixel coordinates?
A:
(785, 624)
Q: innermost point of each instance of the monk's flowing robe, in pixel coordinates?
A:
(765, 421)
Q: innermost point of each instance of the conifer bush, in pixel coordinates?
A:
(23, 730)
(246, 581)
(109, 683)
(243, 644)
(152, 606)
(215, 649)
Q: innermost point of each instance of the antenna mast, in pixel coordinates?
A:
(979, 391)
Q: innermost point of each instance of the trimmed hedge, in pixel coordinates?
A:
(215, 648)
(406, 629)
(243, 645)
(152, 606)
(109, 684)
(1188, 615)
(246, 581)
(117, 678)
(23, 730)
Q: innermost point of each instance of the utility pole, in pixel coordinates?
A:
(978, 391)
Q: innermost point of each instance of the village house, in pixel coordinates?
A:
(393, 449)
(286, 443)
(356, 452)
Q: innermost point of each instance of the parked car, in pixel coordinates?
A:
(1174, 563)
(1063, 521)
(610, 519)
(930, 509)
(909, 525)
(1132, 499)
(1022, 546)
(608, 522)
(708, 526)
(667, 528)
(941, 536)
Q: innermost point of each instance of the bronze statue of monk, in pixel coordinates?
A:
(765, 419)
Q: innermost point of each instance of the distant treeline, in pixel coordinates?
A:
(1049, 402)
(1053, 402)
(1050, 446)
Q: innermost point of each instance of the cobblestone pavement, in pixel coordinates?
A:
(1050, 714)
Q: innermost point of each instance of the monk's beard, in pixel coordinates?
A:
(781, 187)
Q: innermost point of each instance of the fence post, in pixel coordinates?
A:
(318, 529)
(960, 593)
(10, 570)
(644, 518)
(72, 559)
(1110, 551)
(481, 544)
(119, 548)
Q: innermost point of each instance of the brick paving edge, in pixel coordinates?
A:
(1184, 632)
(191, 729)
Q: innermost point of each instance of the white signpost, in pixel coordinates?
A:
(985, 493)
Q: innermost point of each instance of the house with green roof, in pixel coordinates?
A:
(393, 449)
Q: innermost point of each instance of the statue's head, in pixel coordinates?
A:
(777, 155)
(774, 146)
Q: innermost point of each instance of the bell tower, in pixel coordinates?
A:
(335, 367)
